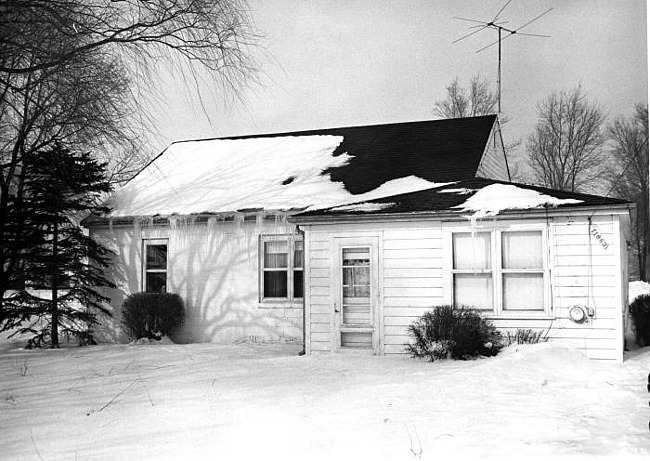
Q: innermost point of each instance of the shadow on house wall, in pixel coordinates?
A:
(214, 268)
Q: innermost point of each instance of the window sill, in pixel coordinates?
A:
(522, 316)
(280, 304)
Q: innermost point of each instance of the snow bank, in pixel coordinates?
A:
(492, 199)
(225, 175)
(638, 288)
(251, 402)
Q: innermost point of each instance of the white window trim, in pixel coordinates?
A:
(497, 271)
(145, 271)
(290, 239)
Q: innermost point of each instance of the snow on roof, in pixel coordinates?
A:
(225, 175)
(461, 191)
(492, 199)
(364, 207)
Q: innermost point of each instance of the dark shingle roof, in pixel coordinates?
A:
(444, 199)
(435, 150)
(304, 169)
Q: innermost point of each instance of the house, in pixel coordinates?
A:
(362, 229)
(527, 257)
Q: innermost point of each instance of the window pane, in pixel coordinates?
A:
(356, 282)
(356, 256)
(157, 257)
(275, 284)
(522, 250)
(297, 284)
(276, 254)
(297, 253)
(156, 282)
(523, 292)
(473, 290)
(472, 251)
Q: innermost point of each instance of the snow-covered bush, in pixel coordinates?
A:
(152, 315)
(640, 311)
(457, 333)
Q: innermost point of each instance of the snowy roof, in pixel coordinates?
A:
(304, 170)
(477, 197)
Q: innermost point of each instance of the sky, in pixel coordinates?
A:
(333, 63)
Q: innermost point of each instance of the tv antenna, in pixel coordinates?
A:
(494, 24)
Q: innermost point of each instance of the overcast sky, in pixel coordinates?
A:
(331, 63)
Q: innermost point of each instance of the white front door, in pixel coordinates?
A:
(355, 306)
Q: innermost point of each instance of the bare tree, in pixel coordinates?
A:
(565, 150)
(212, 33)
(75, 71)
(478, 99)
(629, 180)
(43, 40)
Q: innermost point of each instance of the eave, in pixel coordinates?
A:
(449, 215)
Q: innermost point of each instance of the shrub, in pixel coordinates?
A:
(640, 311)
(152, 315)
(526, 336)
(457, 333)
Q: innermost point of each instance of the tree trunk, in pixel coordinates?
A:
(4, 207)
(54, 313)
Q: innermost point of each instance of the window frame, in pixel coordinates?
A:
(291, 240)
(497, 270)
(153, 242)
(485, 271)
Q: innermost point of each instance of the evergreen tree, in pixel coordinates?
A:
(51, 252)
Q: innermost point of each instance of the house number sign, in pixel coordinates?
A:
(596, 233)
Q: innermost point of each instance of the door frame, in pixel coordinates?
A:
(348, 241)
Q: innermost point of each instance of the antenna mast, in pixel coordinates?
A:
(493, 24)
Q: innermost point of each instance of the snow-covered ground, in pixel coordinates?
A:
(255, 401)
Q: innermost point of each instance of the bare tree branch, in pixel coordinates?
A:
(565, 150)
(629, 179)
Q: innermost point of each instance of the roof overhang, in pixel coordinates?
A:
(533, 213)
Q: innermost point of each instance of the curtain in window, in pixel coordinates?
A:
(156, 268)
(523, 292)
(157, 257)
(473, 290)
(276, 264)
(297, 268)
(522, 251)
(472, 252)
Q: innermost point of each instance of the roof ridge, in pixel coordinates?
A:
(315, 131)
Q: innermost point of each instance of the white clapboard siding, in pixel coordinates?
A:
(319, 307)
(412, 273)
(414, 277)
(493, 163)
(214, 267)
(584, 280)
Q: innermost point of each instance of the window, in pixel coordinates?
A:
(500, 272)
(522, 269)
(472, 269)
(281, 267)
(155, 266)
